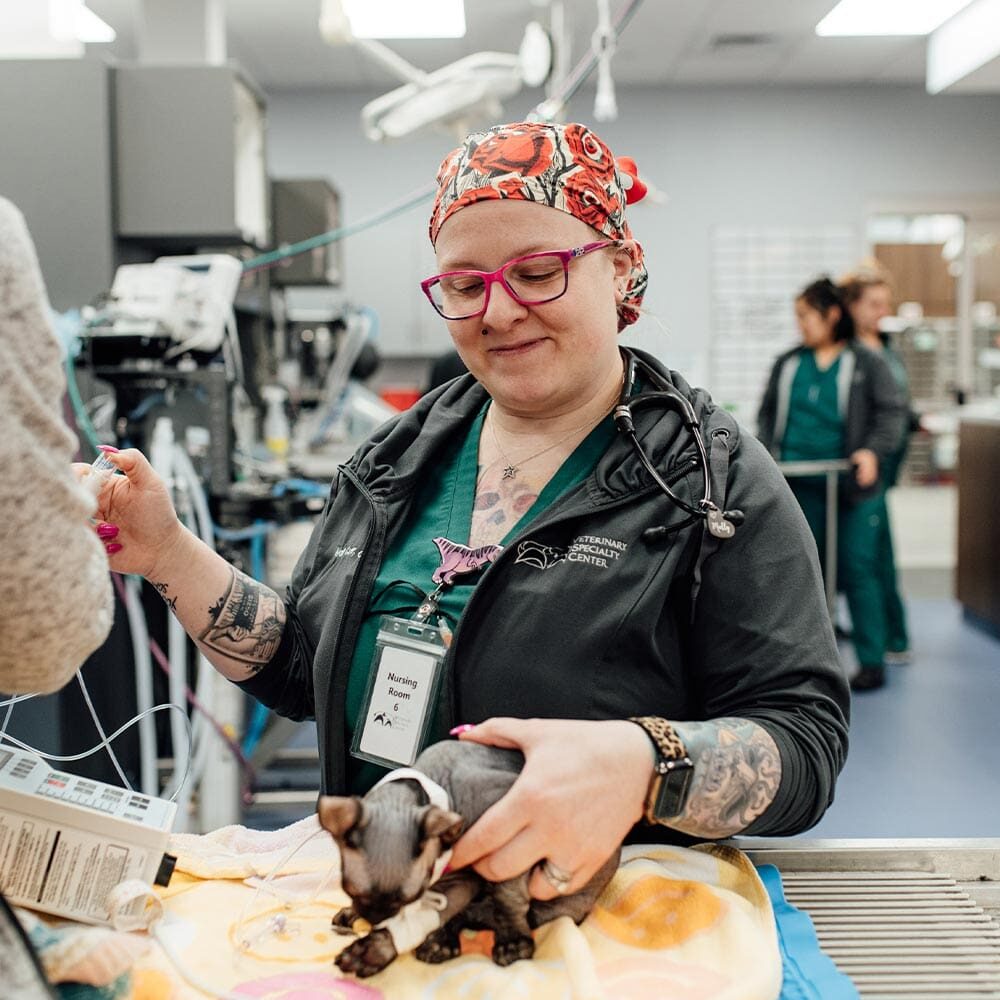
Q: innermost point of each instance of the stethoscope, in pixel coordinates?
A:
(720, 523)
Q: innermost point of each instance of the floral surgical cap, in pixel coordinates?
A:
(562, 166)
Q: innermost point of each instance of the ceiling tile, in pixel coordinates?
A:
(910, 66)
(667, 41)
(841, 60)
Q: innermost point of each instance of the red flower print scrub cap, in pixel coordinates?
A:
(563, 166)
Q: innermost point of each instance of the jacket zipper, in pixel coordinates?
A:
(339, 690)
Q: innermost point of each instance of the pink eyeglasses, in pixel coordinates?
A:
(530, 281)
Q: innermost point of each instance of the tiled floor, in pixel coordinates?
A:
(925, 749)
(925, 524)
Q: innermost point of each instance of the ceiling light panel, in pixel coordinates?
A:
(406, 19)
(888, 17)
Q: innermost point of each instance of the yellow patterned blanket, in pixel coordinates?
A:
(677, 923)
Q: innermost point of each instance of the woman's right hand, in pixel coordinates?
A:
(865, 463)
(138, 504)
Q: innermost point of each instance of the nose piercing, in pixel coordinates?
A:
(484, 331)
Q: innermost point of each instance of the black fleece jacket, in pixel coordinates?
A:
(581, 616)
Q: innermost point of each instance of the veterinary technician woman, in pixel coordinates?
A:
(833, 398)
(573, 616)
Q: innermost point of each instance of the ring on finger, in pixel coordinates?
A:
(557, 877)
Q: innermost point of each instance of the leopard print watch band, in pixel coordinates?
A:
(672, 771)
(663, 735)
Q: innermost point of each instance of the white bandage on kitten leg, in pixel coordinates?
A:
(415, 921)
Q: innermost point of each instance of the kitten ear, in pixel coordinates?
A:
(340, 814)
(441, 823)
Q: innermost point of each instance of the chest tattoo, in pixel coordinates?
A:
(500, 503)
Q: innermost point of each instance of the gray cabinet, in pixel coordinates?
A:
(301, 209)
(55, 165)
(190, 156)
(977, 576)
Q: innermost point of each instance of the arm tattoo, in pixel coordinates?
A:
(737, 774)
(161, 589)
(246, 623)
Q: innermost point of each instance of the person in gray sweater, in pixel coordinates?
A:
(56, 604)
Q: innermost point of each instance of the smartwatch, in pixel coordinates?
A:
(673, 770)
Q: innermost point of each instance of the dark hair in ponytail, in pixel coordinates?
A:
(822, 295)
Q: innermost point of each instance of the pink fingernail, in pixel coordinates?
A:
(461, 729)
(107, 531)
(113, 548)
(107, 447)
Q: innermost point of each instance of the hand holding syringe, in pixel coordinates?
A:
(136, 520)
(101, 469)
(93, 478)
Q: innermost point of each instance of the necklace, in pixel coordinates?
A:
(510, 469)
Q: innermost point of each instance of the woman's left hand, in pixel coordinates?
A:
(581, 790)
(865, 464)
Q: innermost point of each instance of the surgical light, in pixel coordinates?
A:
(888, 17)
(405, 19)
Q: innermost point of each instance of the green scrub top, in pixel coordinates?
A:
(815, 428)
(897, 367)
(443, 506)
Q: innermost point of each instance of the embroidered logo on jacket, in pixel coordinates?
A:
(538, 555)
(591, 550)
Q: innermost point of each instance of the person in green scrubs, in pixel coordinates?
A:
(868, 295)
(832, 398)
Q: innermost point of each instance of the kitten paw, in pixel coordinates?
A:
(367, 955)
(343, 920)
(440, 946)
(512, 950)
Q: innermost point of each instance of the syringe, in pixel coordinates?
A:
(101, 469)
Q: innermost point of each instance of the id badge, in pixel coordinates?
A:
(401, 694)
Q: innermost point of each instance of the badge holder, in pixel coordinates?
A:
(398, 707)
(403, 682)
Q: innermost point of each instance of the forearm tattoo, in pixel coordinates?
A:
(161, 589)
(246, 623)
(737, 773)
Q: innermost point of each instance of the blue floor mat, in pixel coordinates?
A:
(808, 974)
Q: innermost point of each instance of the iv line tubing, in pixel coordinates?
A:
(206, 672)
(149, 777)
(100, 729)
(161, 659)
(67, 758)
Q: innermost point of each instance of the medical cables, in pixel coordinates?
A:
(106, 742)
(244, 943)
